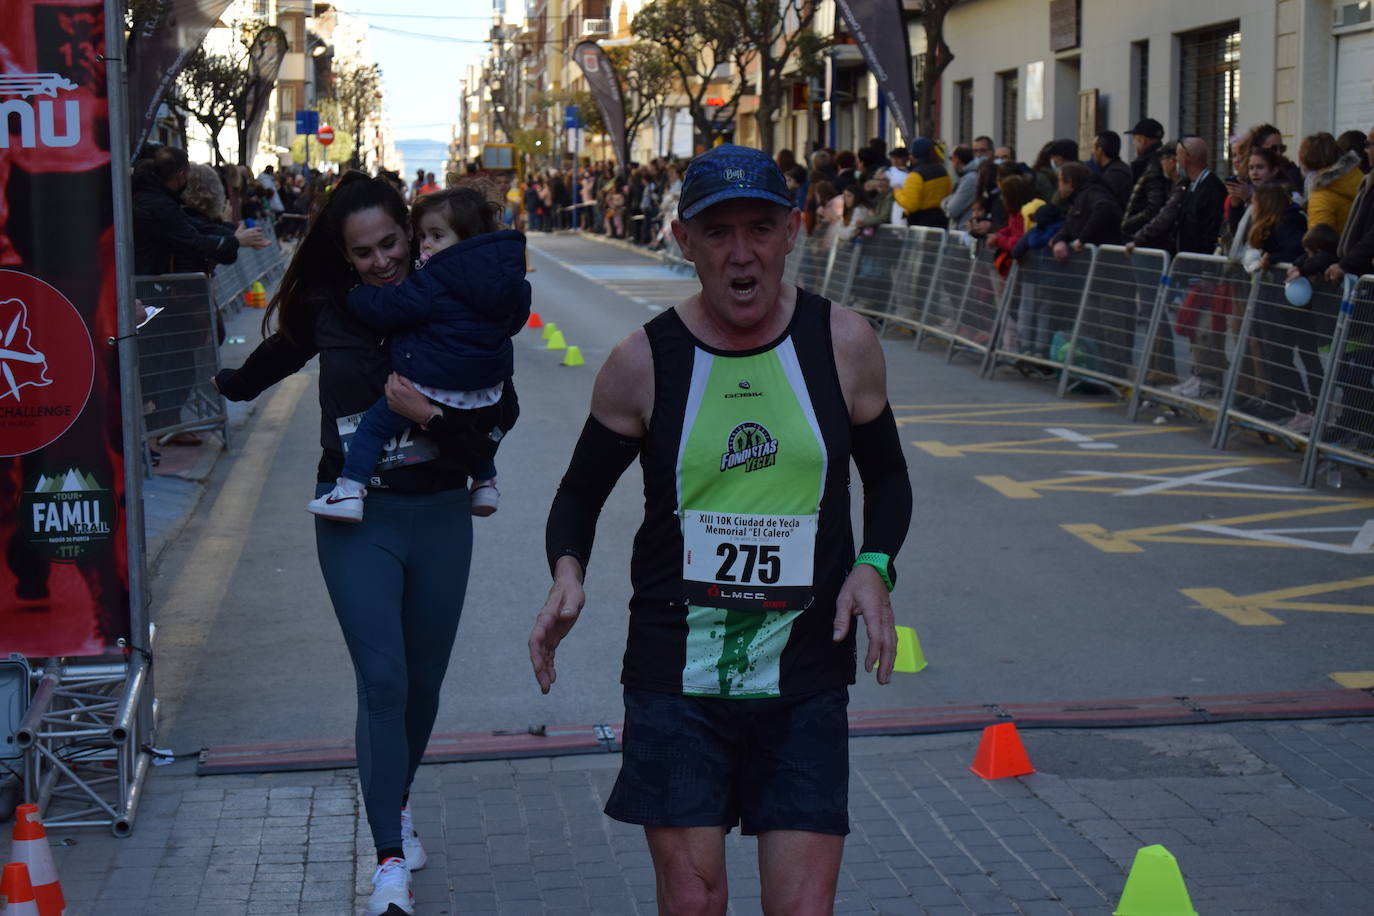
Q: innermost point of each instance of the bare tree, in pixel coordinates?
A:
(932, 63)
(698, 37)
(209, 89)
(358, 92)
(774, 34)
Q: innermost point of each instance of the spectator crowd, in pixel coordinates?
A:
(1312, 214)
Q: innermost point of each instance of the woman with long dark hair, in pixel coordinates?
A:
(396, 580)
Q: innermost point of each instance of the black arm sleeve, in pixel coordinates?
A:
(877, 450)
(599, 458)
(273, 360)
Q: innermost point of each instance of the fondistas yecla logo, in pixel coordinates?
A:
(751, 446)
(68, 514)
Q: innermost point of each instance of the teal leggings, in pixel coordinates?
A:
(397, 583)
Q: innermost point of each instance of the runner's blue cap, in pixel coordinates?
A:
(729, 171)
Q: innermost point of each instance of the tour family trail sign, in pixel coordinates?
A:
(64, 581)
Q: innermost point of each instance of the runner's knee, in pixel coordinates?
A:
(686, 891)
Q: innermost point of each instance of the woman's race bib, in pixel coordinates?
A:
(413, 446)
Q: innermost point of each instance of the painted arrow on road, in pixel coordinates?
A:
(1254, 610)
(1227, 531)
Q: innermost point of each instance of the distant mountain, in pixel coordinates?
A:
(429, 155)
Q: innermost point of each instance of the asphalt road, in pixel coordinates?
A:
(1058, 551)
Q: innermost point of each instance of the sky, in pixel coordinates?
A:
(421, 63)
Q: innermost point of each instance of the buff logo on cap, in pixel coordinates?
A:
(727, 172)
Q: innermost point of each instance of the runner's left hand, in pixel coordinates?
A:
(864, 594)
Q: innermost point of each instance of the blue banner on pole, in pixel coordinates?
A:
(307, 122)
(572, 118)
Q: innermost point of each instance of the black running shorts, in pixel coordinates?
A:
(778, 763)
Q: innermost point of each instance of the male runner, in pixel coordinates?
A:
(744, 404)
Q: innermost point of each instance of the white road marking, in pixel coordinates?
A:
(1362, 542)
(1162, 483)
(1078, 438)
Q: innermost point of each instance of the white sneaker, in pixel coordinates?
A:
(342, 504)
(1300, 423)
(410, 842)
(485, 497)
(1195, 387)
(391, 890)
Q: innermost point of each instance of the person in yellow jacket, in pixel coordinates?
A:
(1331, 180)
(926, 185)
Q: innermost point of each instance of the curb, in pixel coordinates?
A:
(572, 740)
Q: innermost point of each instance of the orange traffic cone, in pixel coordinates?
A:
(1000, 753)
(31, 848)
(16, 892)
(535, 321)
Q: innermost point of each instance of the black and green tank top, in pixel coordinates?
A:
(746, 536)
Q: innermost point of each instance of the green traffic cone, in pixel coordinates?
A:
(549, 329)
(910, 659)
(1155, 886)
(556, 341)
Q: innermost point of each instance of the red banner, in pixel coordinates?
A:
(64, 582)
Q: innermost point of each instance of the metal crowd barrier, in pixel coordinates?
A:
(1120, 293)
(882, 265)
(178, 353)
(1276, 374)
(1195, 333)
(253, 265)
(1343, 419)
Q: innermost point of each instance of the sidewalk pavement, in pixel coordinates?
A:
(1264, 818)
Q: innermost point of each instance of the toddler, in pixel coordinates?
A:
(450, 324)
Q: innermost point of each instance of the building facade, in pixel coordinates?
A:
(1027, 73)
(1023, 72)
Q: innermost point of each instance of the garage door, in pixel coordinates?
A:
(1355, 82)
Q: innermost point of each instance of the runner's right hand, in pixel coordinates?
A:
(556, 618)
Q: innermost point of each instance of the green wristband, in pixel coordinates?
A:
(882, 563)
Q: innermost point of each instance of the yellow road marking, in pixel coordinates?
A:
(1022, 406)
(1040, 424)
(1363, 680)
(940, 450)
(1253, 610)
(1058, 440)
(963, 411)
(1184, 533)
(199, 588)
(1082, 483)
(1236, 610)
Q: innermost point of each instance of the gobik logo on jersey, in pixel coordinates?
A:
(68, 514)
(750, 446)
(47, 364)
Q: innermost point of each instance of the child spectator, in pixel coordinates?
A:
(1276, 228)
(1331, 180)
(450, 325)
(1284, 328)
(1016, 192)
(1033, 311)
(615, 212)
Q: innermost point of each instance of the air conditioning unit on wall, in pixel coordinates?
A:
(596, 26)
